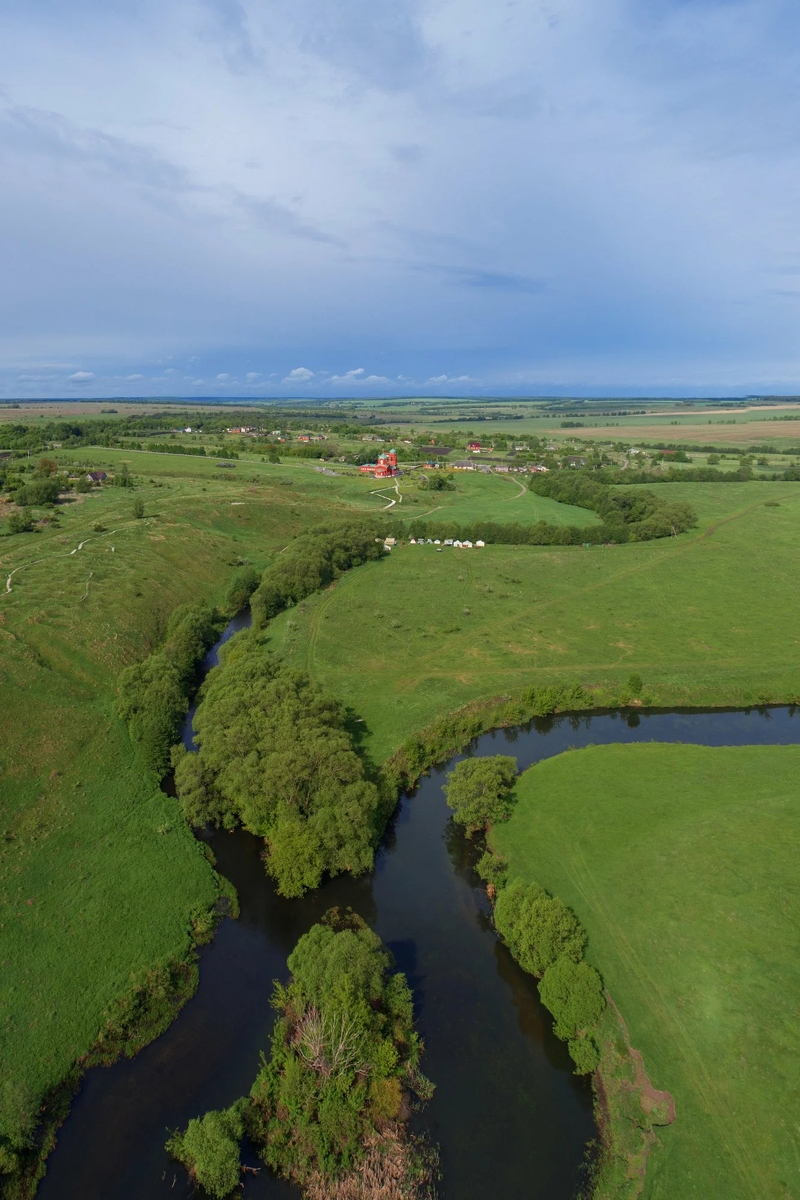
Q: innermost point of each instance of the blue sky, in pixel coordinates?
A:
(379, 197)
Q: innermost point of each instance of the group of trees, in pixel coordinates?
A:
(330, 1097)
(548, 940)
(312, 561)
(276, 756)
(626, 516)
(545, 937)
(153, 695)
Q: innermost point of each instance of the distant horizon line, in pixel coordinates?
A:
(12, 401)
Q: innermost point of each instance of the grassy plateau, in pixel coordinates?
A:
(681, 861)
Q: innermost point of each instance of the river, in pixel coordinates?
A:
(510, 1118)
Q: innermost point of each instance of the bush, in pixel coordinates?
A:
(585, 1054)
(241, 588)
(478, 791)
(138, 508)
(209, 1149)
(38, 493)
(573, 992)
(635, 684)
(537, 927)
(21, 523)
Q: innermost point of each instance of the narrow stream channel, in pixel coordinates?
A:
(510, 1118)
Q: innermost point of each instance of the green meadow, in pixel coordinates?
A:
(707, 618)
(681, 861)
(98, 872)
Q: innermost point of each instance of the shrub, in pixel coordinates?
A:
(573, 992)
(209, 1149)
(635, 684)
(244, 583)
(38, 493)
(21, 523)
(538, 929)
(478, 791)
(585, 1054)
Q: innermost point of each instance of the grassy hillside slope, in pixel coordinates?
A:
(681, 861)
(706, 618)
(98, 872)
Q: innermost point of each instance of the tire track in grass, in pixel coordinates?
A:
(702, 1085)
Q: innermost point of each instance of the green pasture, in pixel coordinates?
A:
(98, 872)
(681, 861)
(706, 618)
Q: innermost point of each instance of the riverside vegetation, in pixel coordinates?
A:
(545, 937)
(329, 1107)
(102, 880)
(680, 861)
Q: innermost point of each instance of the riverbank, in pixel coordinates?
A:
(208, 1057)
(681, 862)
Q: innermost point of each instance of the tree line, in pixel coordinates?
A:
(544, 936)
(153, 695)
(635, 516)
(313, 561)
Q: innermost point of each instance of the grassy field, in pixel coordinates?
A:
(682, 861)
(98, 873)
(705, 618)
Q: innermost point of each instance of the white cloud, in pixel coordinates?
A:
(299, 375)
(349, 376)
(133, 378)
(82, 377)
(252, 375)
(223, 377)
(451, 379)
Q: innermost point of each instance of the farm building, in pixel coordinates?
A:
(96, 477)
(384, 468)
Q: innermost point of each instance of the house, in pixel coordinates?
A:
(575, 460)
(475, 447)
(96, 477)
(464, 465)
(466, 545)
(389, 542)
(479, 543)
(539, 468)
(303, 437)
(385, 468)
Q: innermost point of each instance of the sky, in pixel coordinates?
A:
(316, 198)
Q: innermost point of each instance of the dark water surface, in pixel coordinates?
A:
(510, 1118)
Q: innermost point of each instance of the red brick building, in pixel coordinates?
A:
(384, 468)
